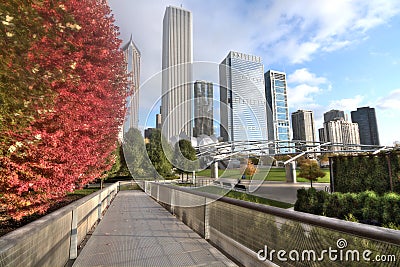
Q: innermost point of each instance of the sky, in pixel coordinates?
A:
(340, 54)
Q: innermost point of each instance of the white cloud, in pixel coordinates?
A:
(347, 104)
(391, 101)
(305, 76)
(303, 86)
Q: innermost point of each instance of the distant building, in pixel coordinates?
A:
(242, 98)
(334, 114)
(321, 135)
(303, 127)
(158, 120)
(367, 125)
(147, 134)
(277, 110)
(340, 131)
(203, 108)
(177, 57)
(132, 59)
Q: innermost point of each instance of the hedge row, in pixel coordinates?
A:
(367, 172)
(365, 207)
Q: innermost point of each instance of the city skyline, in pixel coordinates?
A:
(337, 72)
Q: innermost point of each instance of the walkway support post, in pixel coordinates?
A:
(290, 170)
(214, 170)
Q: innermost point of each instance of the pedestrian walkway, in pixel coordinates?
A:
(137, 231)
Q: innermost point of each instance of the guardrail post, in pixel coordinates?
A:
(99, 207)
(173, 202)
(73, 247)
(109, 197)
(206, 220)
(158, 193)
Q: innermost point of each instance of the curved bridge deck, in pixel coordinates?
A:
(137, 231)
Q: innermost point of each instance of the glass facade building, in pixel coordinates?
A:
(242, 98)
(203, 108)
(277, 110)
(367, 125)
(334, 114)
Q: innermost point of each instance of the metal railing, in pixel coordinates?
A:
(260, 231)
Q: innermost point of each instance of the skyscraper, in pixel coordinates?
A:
(132, 59)
(177, 57)
(342, 132)
(333, 114)
(367, 125)
(203, 108)
(303, 126)
(338, 130)
(242, 95)
(278, 120)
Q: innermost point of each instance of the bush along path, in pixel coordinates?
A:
(365, 207)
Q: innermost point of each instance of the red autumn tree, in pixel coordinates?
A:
(72, 141)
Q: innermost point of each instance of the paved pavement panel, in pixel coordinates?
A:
(137, 231)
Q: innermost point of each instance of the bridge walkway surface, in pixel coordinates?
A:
(137, 231)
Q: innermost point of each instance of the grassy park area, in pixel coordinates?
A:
(274, 174)
(243, 196)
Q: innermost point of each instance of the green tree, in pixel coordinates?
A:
(159, 150)
(310, 170)
(133, 157)
(185, 159)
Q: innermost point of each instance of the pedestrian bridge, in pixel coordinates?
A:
(168, 225)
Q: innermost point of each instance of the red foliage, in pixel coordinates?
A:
(72, 142)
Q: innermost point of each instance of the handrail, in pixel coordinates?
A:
(353, 228)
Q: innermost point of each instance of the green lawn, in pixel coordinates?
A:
(243, 196)
(274, 174)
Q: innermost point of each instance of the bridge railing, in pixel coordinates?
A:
(256, 234)
(54, 239)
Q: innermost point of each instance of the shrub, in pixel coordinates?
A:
(391, 208)
(371, 211)
(309, 201)
(333, 205)
(301, 200)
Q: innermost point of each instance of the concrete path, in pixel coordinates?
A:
(285, 192)
(137, 231)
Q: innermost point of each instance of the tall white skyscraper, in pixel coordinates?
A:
(177, 56)
(278, 120)
(242, 95)
(132, 59)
